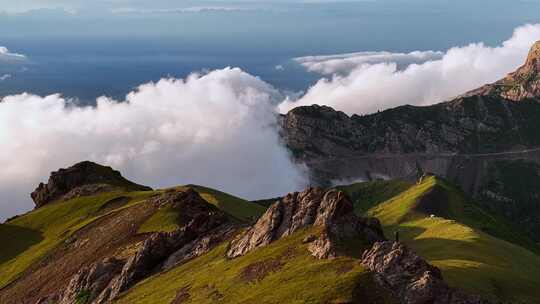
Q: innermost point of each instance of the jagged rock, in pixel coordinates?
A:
(410, 278)
(204, 225)
(332, 210)
(85, 178)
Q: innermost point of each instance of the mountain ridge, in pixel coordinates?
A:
(463, 140)
(97, 252)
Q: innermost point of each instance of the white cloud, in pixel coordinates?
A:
(369, 87)
(5, 77)
(191, 9)
(346, 63)
(7, 56)
(217, 130)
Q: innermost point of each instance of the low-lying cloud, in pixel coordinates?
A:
(366, 84)
(190, 9)
(5, 77)
(217, 129)
(8, 56)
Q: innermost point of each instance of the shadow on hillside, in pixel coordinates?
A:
(433, 248)
(15, 240)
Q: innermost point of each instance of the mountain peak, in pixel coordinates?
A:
(84, 178)
(533, 60)
(522, 84)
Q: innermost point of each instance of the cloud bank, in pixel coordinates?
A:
(364, 84)
(346, 63)
(217, 129)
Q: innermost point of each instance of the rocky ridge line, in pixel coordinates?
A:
(331, 210)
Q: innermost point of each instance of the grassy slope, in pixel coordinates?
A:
(292, 276)
(31, 236)
(369, 194)
(469, 258)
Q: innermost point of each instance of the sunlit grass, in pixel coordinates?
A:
(468, 257)
(31, 237)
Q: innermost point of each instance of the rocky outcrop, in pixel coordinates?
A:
(85, 178)
(204, 227)
(410, 278)
(330, 210)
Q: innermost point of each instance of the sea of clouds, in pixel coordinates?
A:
(220, 128)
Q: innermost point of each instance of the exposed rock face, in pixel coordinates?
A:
(204, 227)
(410, 278)
(85, 178)
(331, 210)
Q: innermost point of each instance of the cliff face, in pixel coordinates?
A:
(401, 141)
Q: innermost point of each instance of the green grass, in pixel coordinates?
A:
(369, 194)
(468, 257)
(32, 236)
(236, 207)
(165, 219)
(295, 277)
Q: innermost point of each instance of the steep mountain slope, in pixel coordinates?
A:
(459, 139)
(464, 241)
